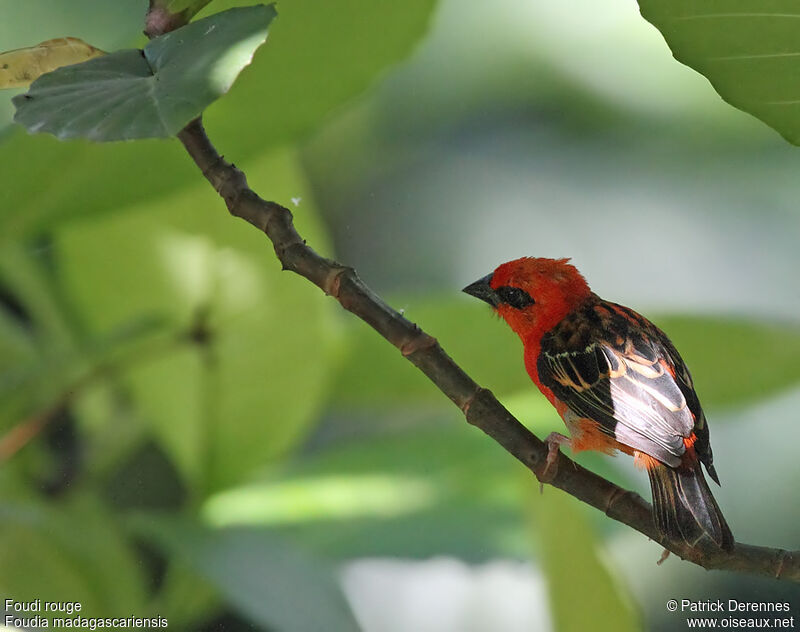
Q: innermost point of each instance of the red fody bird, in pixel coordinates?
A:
(618, 383)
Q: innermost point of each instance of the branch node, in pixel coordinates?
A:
(333, 280)
(618, 491)
(470, 400)
(287, 259)
(419, 342)
(207, 172)
(274, 213)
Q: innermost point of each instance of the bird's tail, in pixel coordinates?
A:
(684, 509)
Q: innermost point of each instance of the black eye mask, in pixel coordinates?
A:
(514, 296)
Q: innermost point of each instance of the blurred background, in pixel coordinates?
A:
(187, 432)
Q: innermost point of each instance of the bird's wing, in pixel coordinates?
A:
(610, 364)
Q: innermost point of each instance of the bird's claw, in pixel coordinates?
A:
(554, 441)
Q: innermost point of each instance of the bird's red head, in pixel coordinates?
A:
(532, 294)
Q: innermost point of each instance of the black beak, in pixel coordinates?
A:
(482, 290)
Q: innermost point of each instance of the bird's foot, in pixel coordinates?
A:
(554, 441)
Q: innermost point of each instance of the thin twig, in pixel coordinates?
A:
(480, 407)
(29, 428)
(21, 434)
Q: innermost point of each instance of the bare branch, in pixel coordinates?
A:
(480, 407)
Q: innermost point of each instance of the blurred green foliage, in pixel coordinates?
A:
(268, 578)
(212, 281)
(187, 8)
(494, 358)
(734, 361)
(187, 431)
(584, 593)
(70, 551)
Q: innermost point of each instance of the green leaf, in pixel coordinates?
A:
(584, 593)
(147, 94)
(265, 577)
(747, 49)
(71, 552)
(248, 390)
(321, 55)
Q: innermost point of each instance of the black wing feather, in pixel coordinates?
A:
(613, 366)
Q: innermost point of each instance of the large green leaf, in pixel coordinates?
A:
(584, 592)
(746, 48)
(247, 393)
(151, 93)
(265, 577)
(72, 552)
(320, 55)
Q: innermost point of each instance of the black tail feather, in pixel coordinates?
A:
(712, 472)
(684, 509)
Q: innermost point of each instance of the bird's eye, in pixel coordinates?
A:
(514, 297)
